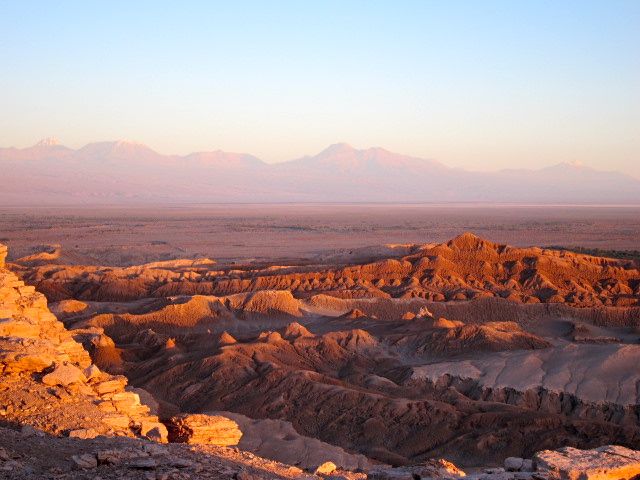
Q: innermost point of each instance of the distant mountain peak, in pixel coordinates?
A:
(48, 142)
(116, 147)
(129, 143)
(337, 148)
(571, 164)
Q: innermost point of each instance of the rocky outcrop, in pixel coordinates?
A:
(610, 462)
(43, 367)
(203, 429)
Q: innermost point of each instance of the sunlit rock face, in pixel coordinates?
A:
(42, 365)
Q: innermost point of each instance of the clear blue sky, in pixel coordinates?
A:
(474, 84)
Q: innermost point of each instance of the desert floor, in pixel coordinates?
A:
(227, 233)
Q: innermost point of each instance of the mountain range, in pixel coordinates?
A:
(124, 172)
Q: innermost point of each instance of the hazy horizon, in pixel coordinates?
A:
(481, 86)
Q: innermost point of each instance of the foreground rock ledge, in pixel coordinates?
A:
(603, 463)
(47, 378)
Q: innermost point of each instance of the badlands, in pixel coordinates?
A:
(404, 362)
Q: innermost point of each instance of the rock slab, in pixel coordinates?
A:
(610, 462)
(204, 429)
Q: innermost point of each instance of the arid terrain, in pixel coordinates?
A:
(272, 233)
(364, 353)
(320, 240)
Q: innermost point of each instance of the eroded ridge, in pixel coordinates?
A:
(464, 268)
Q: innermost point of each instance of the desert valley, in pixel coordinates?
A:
(389, 361)
(320, 240)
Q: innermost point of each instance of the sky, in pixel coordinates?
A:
(481, 85)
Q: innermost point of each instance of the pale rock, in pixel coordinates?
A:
(204, 429)
(64, 375)
(424, 313)
(115, 384)
(85, 461)
(117, 421)
(146, 398)
(603, 463)
(25, 362)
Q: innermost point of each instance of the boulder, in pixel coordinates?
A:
(64, 375)
(204, 429)
(25, 362)
(603, 463)
(155, 431)
(115, 384)
(92, 372)
(326, 468)
(513, 464)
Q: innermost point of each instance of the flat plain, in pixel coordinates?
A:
(280, 233)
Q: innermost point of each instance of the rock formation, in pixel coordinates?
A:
(464, 268)
(204, 429)
(42, 360)
(604, 463)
